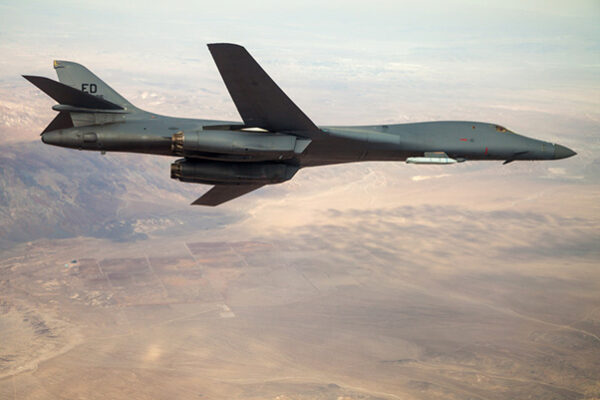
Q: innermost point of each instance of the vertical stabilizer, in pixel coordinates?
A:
(81, 78)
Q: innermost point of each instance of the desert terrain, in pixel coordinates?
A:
(397, 294)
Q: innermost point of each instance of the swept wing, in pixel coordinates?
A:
(260, 102)
(219, 194)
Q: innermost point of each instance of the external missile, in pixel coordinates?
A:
(437, 158)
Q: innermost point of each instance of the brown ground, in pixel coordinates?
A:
(412, 290)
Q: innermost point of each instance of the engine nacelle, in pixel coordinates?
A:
(216, 172)
(254, 146)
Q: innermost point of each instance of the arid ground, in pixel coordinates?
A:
(480, 295)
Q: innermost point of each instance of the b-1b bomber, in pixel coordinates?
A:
(273, 142)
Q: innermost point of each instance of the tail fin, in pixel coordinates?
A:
(81, 78)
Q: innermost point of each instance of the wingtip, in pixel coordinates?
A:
(58, 64)
(30, 78)
(36, 80)
(200, 202)
(215, 45)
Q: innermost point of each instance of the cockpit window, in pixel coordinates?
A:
(501, 128)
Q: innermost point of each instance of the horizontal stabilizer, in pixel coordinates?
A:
(61, 121)
(65, 94)
(260, 102)
(219, 194)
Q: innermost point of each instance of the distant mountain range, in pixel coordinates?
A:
(49, 192)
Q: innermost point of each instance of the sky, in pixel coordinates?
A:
(531, 66)
(388, 60)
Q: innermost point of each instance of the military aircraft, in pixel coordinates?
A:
(274, 141)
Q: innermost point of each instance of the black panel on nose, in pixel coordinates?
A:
(562, 152)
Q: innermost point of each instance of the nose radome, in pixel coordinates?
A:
(562, 152)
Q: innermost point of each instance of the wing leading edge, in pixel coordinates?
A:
(260, 102)
(219, 194)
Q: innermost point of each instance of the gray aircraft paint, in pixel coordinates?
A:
(275, 140)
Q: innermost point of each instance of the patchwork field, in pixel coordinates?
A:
(435, 301)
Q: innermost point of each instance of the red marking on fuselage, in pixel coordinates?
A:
(486, 151)
(464, 139)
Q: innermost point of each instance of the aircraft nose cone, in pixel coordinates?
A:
(51, 138)
(562, 152)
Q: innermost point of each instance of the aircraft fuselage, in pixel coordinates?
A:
(460, 140)
(274, 140)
